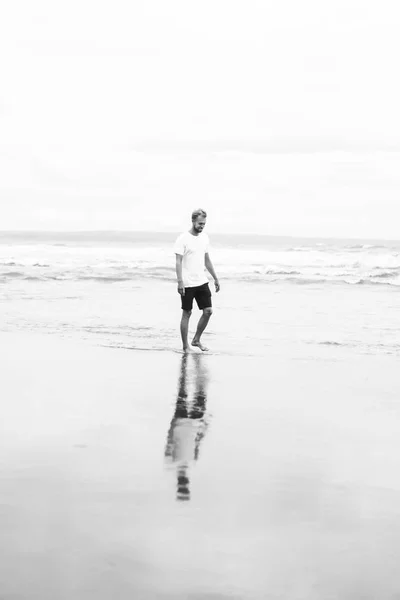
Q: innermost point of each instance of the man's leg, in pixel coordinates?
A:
(185, 329)
(205, 317)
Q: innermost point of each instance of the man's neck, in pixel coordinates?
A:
(194, 232)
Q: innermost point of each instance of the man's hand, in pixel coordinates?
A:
(181, 288)
(217, 286)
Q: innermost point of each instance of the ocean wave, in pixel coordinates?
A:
(368, 281)
(109, 272)
(365, 247)
(279, 272)
(104, 278)
(33, 278)
(388, 278)
(14, 275)
(386, 274)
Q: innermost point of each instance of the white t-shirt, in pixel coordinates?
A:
(193, 249)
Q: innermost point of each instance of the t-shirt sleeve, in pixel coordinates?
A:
(207, 248)
(179, 246)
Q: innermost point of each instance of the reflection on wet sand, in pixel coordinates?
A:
(189, 422)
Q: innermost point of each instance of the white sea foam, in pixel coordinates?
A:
(267, 261)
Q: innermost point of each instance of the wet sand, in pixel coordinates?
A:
(144, 475)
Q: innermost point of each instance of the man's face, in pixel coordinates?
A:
(199, 224)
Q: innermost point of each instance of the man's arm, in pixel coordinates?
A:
(210, 268)
(178, 268)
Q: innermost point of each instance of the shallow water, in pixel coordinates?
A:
(119, 290)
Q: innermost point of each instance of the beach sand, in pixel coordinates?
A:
(143, 475)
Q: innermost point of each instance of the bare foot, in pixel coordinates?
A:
(186, 349)
(198, 344)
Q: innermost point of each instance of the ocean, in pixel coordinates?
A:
(320, 296)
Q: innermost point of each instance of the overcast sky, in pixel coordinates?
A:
(279, 117)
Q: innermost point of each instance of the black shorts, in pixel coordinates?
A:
(202, 295)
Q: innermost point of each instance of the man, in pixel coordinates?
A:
(192, 255)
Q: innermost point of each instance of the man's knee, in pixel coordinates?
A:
(186, 314)
(207, 311)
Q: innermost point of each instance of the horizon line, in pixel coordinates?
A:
(4, 232)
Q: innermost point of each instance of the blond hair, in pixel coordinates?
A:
(199, 212)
